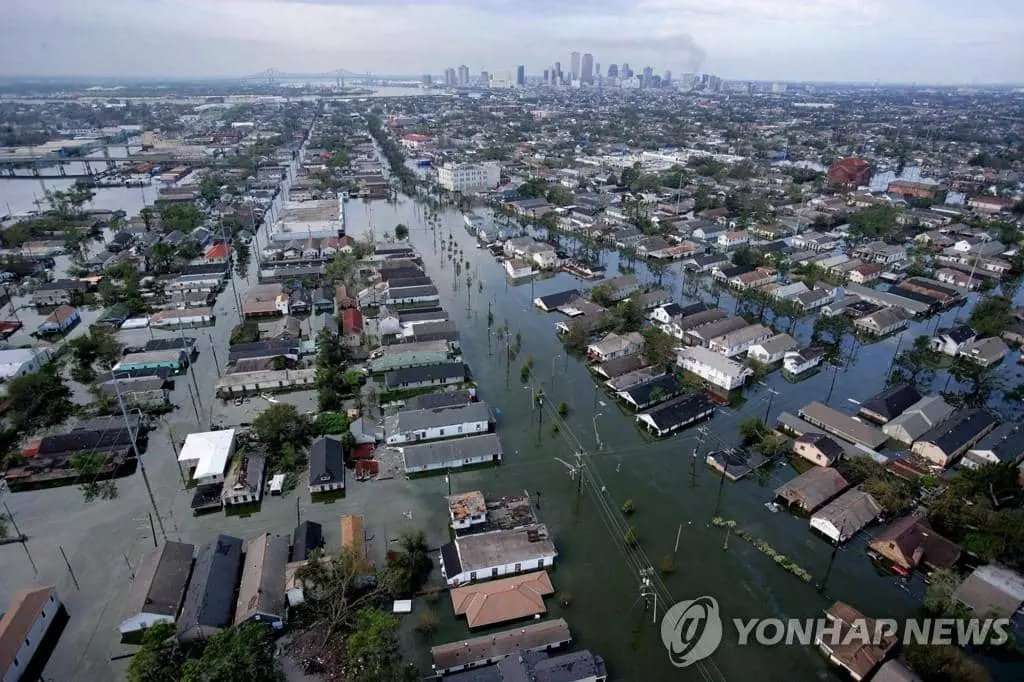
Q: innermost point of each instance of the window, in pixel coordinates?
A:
(442, 432)
(27, 643)
(540, 563)
(494, 572)
(519, 567)
(472, 576)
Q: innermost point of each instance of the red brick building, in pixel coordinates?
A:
(849, 173)
(921, 190)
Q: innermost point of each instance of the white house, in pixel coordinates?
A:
(772, 349)
(951, 341)
(467, 510)
(843, 517)
(797, 362)
(24, 626)
(451, 454)
(713, 367)
(209, 453)
(243, 484)
(730, 240)
(156, 593)
(18, 362)
(495, 554)
(736, 342)
(615, 346)
(412, 426)
(518, 269)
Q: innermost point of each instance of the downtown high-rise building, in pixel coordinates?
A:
(463, 75)
(587, 69)
(648, 77)
(449, 77)
(625, 71)
(613, 71)
(574, 65)
(666, 79)
(520, 76)
(556, 77)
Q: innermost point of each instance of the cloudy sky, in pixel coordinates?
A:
(924, 41)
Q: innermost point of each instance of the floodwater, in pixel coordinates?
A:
(671, 499)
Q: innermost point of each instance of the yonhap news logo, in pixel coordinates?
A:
(692, 630)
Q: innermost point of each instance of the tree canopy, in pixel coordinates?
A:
(991, 315)
(39, 399)
(282, 424)
(244, 653)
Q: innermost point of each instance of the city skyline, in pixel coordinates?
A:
(791, 40)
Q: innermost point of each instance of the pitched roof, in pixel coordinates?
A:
(209, 601)
(855, 652)
(828, 447)
(442, 452)
(262, 588)
(912, 538)
(308, 535)
(326, 462)
(438, 372)
(1006, 442)
(960, 429)
(851, 511)
(160, 580)
(992, 588)
(920, 417)
(502, 600)
(500, 644)
(678, 411)
(813, 488)
(891, 403)
(18, 621)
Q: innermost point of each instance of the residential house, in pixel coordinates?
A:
(737, 342)
(842, 425)
(812, 489)
(209, 601)
(261, 597)
(243, 483)
(862, 274)
(911, 542)
(412, 426)
(416, 354)
(553, 301)
(817, 297)
(708, 232)
(619, 366)
(18, 362)
(619, 288)
(818, 448)
(482, 556)
(513, 645)
(60, 321)
(518, 269)
(730, 240)
(158, 589)
(351, 327)
(882, 322)
(951, 341)
(890, 403)
(797, 362)
(676, 414)
(650, 392)
(992, 591)
(615, 346)
(772, 349)
(859, 656)
(208, 453)
(326, 465)
(452, 453)
(713, 367)
(985, 352)
(845, 516)
(1005, 444)
(944, 443)
(681, 324)
(308, 536)
(918, 419)
(814, 241)
(59, 292)
(758, 277)
(467, 510)
(703, 334)
(880, 252)
(443, 374)
(24, 626)
(500, 601)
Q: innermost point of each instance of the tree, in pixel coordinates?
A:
(331, 383)
(753, 429)
(209, 188)
(630, 537)
(180, 217)
(99, 345)
(161, 257)
(560, 195)
(242, 257)
(160, 658)
(372, 648)
(944, 663)
(563, 409)
(241, 653)
(88, 467)
(630, 313)
(938, 596)
(917, 365)
(39, 399)
(401, 232)
(428, 622)
(991, 315)
(659, 347)
(747, 256)
(873, 222)
(628, 508)
(330, 423)
(407, 570)
(282, 424)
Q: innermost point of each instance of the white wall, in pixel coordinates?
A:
(447, 431)
(142, 621)
(28, 647)
(502, 570)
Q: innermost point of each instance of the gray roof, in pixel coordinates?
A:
(326, 462)
(1006, 442)
(778, 343)
(412, 375)
(919, 417)
(418, 420)
(851, 511)
(484, 550)
(715, 329)
(956, 432)
(992, 589)
(262, 587)
(210, 601)
(842, 425)
(160, 580)
(537, 666)
(813, 488)
(432, 401)
(454, 450)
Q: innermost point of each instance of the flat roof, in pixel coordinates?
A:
(500, 644)
(456, 449)
(843, 425)
(477, 552)
(209, 449)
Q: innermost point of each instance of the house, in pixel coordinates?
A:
(813, 488)
(675, 414)
(175, 360)
(817, 297)
(416, 354)
(713, 367)
(210, 598)
(818, 448)
(353, 535)
(703, 334)
(737, 342)
(858, 655)
(918, 419)
(992, 590)
(412, 426)
(796, 362)
(958, 278)
(443, 374)
(849, 173)
(619, 288)
(730, 240)
(758, 277)
(59, 292)
(615, 346)
(890, 403)
(482, 556)
(882, 322)
(327, 465)
(286, 329)
(158, 589)
(261, 597)
(1005, 443)
(518, 269)
(24, 626)
(308, 537)
(814, 241)
(17, 362)
(553, 301)
(911, 542)
(985, 352)
(504, 600)
(842, 425)
(948, 440)
(467, 510)
(951, 341)
(772, 349)
(452, 453)
(862, 274)
(138, 392)
(881, 253)
(842, 518)
(60, 321)
(680, 325)
(208, 453)
(503, 646)
(650, 392)
(243, 483)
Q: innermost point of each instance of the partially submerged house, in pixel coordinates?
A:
(911, 542)
(210, 599)
(497, 553)
(813, 488)
(842, 518)
(859, 656)
(504, 600)
(261, 594)
(158, 589)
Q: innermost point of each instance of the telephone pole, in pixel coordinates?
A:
(832, 558)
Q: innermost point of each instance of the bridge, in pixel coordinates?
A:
(273, 76)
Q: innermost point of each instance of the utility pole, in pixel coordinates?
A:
(540, 415)
(693, 459)
(10, 517)
(832, 558)
(174, 449)
(138, 458)
(718, 498)
(216, 362)
(298, 515)
(597, 436)
(771, 396)
(832, 385)
(70, 570)
(647, 591)
(895, 355)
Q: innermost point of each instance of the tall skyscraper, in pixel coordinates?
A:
(463, 75)
(613, 71)
(574, 65)
(449, 77)
(648, 76)
(666, 79)
(427, 80)
(587, 72)
(597, 71)
(520, 75)
(485, 79)
(625, 71)
(557, 76)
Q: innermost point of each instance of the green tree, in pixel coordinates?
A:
(401, 232)
(161, 257)
(209, 188)
(39, 399)
(753, 429)
(938, 596)
(408, 568)
(991, 315)
(917, 365)
(563, 409)
(630, 313)
(944, 663)
(331, 383)
(88, 466)
(182, 217)
(98, 346)
(659, 347)
(244, 653)
(331, 423)
(282, 424)
(242, 257)
(160, 658)
(372, 648)
(874, 222)
(560, 195)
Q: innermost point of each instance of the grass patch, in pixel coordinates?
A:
(329, 497)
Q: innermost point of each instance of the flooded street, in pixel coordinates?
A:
(606, 613)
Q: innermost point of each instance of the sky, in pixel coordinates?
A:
(919, 41)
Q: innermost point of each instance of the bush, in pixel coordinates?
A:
(563, 409)
(524, 373)
(628, 507)
(630, 537)
(668, 564)
(428, 622)
(330, 423)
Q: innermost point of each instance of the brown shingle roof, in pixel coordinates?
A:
(18, 620)
(502, 600)
(853, 652)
